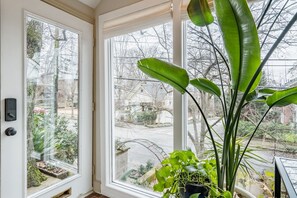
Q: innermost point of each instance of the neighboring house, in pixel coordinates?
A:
(144, 97)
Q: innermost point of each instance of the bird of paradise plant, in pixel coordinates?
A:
(241, 42)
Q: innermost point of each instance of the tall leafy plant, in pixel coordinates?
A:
(241, 42)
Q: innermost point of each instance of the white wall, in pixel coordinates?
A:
(109, 5)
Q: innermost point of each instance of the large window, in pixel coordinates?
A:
(144, 111)
(142, 107)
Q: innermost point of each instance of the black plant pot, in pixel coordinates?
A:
(192, 188)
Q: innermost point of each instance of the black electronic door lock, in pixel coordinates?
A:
(10, 109)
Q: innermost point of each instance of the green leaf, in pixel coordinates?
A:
(159, 187)
(227, 194)
(164, 171)
(169, 182)
(251, 96)
(267, 91)
(199, 12)
(196, 195)
(159, 177)
(166, 72)
(241, 41)
(206, 85)
(283, 98)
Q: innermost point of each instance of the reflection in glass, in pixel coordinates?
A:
(52, 104)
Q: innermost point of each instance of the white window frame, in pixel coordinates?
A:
(104, 123)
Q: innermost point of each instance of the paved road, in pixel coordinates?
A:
(163, 136)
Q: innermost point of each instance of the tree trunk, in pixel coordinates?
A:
(31, 94)
(56, 75)
(203, 131)
(196, 134)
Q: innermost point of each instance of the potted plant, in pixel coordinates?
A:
(241, 43)
(183, 175)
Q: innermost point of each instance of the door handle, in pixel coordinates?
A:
(10, 131)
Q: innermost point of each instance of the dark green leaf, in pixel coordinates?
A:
(199, 12)
(241, 41)
(251, 96)
(267, 91)
(206, 85)
(166, 72)
(283, 98)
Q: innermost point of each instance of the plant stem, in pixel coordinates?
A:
(220, 73)
(264, 13)
(210, 133)
(220, 53)
(270, 28)
(247, 144)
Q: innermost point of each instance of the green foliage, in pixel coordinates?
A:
(241, 41)
(281, 132)
(146, 117)
(183, 167)
(206, 85)
(34, 37)
(283, 97)
(200, 13)
(65, 141)
(34, 176)
(38, 131)
(166, 72)
(144, 169)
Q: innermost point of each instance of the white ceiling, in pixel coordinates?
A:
(91, 3)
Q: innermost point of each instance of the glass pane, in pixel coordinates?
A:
(143, 107)
(52, 104)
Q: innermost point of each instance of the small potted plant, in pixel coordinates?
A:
(183, 175)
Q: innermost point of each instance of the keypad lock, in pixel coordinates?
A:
(10, 109)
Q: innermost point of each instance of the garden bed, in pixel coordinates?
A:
(52, 170)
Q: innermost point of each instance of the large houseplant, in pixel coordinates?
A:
(239, 33)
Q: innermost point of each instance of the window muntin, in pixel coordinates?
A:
(52, 76)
